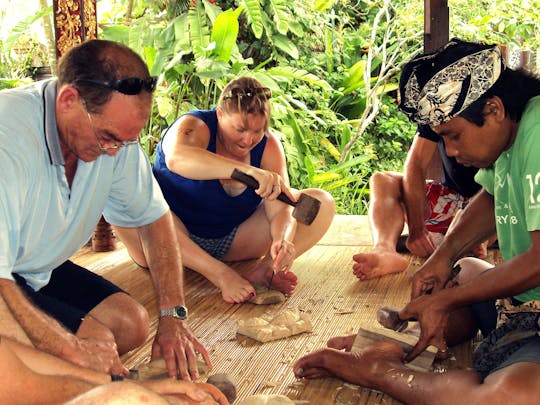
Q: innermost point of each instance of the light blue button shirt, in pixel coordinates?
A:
(43, 222)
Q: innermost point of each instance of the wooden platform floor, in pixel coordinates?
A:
(336, 301)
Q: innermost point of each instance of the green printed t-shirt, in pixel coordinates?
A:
(514, 181)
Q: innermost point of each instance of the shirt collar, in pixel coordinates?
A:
(52, 138)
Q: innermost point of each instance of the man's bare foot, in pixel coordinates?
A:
(377, 263)
(368, 368)
(234, 288)
(281, 281)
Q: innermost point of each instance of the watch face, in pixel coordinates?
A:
(181, 312)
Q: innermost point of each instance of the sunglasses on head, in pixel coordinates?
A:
(240, 93)
(130, 86)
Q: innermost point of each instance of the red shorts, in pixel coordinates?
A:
(443, 204)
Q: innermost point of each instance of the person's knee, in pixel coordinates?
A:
(328, 205)
(91, 328)
(470, 268)
(130, 239)
(387, 182)
(134, 323)
(126, 318)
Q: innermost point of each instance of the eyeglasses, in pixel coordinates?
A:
(130, 86)
(115, 144)
(241, 93)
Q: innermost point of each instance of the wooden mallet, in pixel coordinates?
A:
(305, 209)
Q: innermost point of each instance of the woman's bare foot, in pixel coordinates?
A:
(234, 288)
(281, 281)
(377, 263)
(285, 282)
(368, 368)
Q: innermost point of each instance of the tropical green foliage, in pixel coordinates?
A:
(21, 54)
(327, 89)
(332, 67)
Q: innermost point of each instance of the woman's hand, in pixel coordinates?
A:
(271, 184)
(283, 253)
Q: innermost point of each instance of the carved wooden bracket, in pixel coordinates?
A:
(74, 21)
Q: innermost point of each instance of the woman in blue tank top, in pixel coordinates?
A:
(219, 219)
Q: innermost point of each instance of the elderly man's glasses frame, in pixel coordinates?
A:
(114, 143)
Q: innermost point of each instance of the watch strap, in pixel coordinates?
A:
(179, 312)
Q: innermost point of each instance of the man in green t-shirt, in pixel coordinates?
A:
(488, 117)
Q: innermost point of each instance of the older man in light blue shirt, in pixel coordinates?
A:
(68, 154)
(47, 219)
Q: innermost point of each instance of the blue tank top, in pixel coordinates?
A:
(203, 205)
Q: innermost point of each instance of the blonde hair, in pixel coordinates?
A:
(245, 95)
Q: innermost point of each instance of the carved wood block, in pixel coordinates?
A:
(266, 328)
(368, 336)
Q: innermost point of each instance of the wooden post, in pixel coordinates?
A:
(436, 24)
(74, 22)
(103, 239)
(436, 34)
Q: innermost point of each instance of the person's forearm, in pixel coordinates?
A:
(22, 384)
(498, 282)
(44, 363)
(475, 224)
(44, 332)
(414, 183)
(162, 251)
(414, 196)
(59, 389)
(199, 164)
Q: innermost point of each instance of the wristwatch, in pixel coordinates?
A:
(179, 312)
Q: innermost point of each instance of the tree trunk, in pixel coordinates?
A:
(129, 10)
(49, 36)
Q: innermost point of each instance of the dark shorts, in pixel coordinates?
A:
(528, 353)
(215, 247)
(485, 315)
(71, 293)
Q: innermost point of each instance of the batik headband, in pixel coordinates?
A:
(435, 88)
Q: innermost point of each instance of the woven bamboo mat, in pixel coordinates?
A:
(336, 301)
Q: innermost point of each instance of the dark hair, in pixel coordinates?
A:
(245, 95)
(514, 87)
(99, 60)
